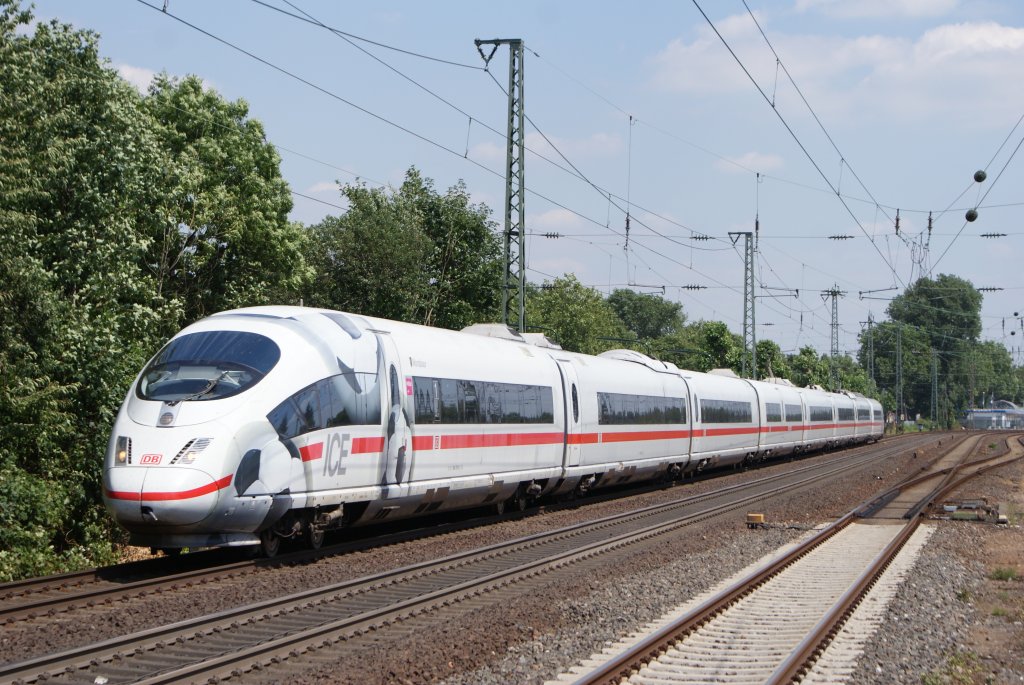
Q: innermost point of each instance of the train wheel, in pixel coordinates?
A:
(315, 537)
(499, 508)
(270, 543)
(517, 502)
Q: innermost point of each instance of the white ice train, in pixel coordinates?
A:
(259, 424)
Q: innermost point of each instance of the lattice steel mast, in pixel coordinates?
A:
(513, 294)
(835, 293)
(749, 322)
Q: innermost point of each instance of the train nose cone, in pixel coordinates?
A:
(163, 496)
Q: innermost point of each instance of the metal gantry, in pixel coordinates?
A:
(835, 293)
(749, 322)
(513, 294)
(899, 371)
(871, 347)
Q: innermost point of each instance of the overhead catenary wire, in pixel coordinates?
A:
(353, 36)
(796, 138)
(460, 153)
(982, 199)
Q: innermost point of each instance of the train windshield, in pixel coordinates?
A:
(208, 366)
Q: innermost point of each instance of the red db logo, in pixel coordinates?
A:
(150, 459)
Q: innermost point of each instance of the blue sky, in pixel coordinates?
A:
(915, 95)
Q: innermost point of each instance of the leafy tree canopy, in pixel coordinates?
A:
(647, 315)
(947, 308)
(412, 255)
(223, 239)
(125, 216)
(577, 317)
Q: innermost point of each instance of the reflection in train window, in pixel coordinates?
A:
(449, 400)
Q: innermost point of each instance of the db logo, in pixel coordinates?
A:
(151, 459)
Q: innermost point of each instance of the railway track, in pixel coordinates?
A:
(773, 623)
(46, 597)
(53, 595)
(345, 616)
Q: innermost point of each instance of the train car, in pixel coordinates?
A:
(782, 409)
(846, 419)
(727, 419)
(820, 426)
(262, 424)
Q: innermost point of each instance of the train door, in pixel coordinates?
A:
(572, 413)
(397, 454)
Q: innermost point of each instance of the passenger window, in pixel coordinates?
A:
(350, 399)
(286, 420)
(308, 403)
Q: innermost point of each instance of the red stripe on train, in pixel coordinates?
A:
(367, 445)
(312, 452)
(169, 496)
(644, 435)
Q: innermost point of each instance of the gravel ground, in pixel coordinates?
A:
(575, 615)
(528, 640)
(958, 620)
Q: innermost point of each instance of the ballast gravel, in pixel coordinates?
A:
(546, 632)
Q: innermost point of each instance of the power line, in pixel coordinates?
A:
(362, 39)
(796, 138)
(987, 191)
(810, 109)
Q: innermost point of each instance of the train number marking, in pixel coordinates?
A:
(151, 458)
(337, 449)
(437, 442)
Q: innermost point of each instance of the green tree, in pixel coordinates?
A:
(771, 361)
(575, 316)
(412, 255)
(93, 190)
(223, 239)
(809, 368)
(465, 266)
(81, 172)
(372, 260)
(948, 308)
(700, 346)
(916, 364)
(647, 315)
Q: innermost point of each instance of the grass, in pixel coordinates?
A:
(1004, 573)
(964, 595)
(960, 669)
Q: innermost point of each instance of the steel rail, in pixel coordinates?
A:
(81, 657)
(653, 646)
(28, 599)
(803, 657)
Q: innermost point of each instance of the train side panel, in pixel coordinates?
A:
(634, 419)
(726, 420)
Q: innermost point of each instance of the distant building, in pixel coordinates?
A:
(999, 415)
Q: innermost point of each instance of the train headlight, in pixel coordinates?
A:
(123, 450)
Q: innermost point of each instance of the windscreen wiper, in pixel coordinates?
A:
(196, 395)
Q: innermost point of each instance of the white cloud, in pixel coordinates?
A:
(704, 65)
(140, 77)
(751, 161)
(553, 220)
(487, 152)
(908, 79)
(863, 9)
(323, 187)
(597, 145)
